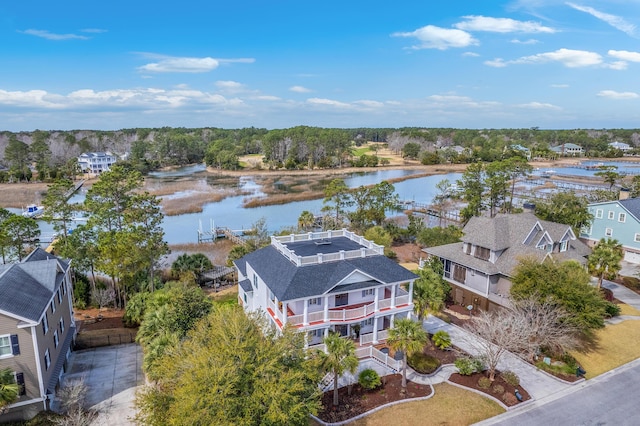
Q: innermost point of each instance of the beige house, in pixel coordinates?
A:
(36, 328)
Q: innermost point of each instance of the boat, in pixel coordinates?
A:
(33, 211)
(547, 174)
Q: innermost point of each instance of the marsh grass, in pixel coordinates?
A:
(186, 195)
(18, 195)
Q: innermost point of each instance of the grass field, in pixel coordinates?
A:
(449, 406)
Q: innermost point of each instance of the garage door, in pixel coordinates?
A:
(632, 257)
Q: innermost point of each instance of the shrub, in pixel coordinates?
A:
(631, 282)
(612, 310)
(498, 389)
(509, 399)
(511, 378)
(484, 383)
(369, 379)
(468, 366)
(441, 339)
(423, 363)
(607, 294)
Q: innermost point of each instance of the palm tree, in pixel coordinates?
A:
(306, 220)
(605, 259)
(9, 389)
(340, 357)
(407, 336)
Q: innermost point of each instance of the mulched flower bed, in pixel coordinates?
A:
(446, 356)
(360, 401)
(506, 394)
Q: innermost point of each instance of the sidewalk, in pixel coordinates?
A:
(623, 294)
(537, 383)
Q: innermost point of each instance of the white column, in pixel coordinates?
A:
(305, 319)
(393, 296)
(375, 330)
(326, 308)
(284, 313)
(393, 318)
(376, 299)
(326, 332)
(411, 292)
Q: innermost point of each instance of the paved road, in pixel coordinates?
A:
(112, 375)
(609, 399)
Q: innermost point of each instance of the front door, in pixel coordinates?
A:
(343, 330)
(342, 299)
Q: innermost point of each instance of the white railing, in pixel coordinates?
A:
(295, 319)
(384, 303)
(383, 334)
(369, 248)
(351, 314)
(385, 359)
(402, 300)
(315, 316)
(367, 338)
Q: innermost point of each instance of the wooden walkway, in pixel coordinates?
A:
(217, 272)
(412, 206)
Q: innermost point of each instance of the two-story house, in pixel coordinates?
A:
(479, 269)
(619, 220)
(36, 328)
(568, 150)
(96, 162)
(326, 281)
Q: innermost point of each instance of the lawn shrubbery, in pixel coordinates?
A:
(442, 340)
(511, 378)
(369, 379)
(631, 282)
(468, 366)
(423, 363)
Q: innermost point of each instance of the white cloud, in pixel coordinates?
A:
(568, 57)
(625, 55)
(617, 22)
(187, 65)
(529, 41)
(460, 101)
(432, 37)
(369, 103)
(559, 86)
(470, 54)
(93, 30)
(230, 86)
(501, 25)
(52, 36)
(612, 94)
(617, 65)
(329, 102)
(267, 98)
(539, 105)
(31, 98)
(299, 89)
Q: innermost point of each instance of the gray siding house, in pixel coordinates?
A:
(36, 328)
(326, 281)
(480, 267)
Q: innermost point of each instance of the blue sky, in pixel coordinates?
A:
(466, 64)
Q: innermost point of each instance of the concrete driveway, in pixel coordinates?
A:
(112, 375)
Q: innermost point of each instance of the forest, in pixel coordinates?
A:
(52, 154)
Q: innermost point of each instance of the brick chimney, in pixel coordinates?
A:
(624, 194)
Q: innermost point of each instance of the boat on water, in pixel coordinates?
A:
(33, 211)
(547, 173)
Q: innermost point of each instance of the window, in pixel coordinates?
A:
(53, 306)
(47, 360)
(272, 296)
(368, 292)
(245, 297)
(255, 281)
(315, 301)
(482, 253)
(61, 325)
(56, 341)
(608, 232)
(20, 382)
(611, 214)
(316, 333)
(64, 288)
(367, 322)
(636, 238)
(599, 214)
(622, 217)
(563, 246)
(342, 299)
(5, 346)
(467, 248)
(45, 324)
(459, 273)
(59, 296)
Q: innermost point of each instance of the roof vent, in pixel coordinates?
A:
(322, 242)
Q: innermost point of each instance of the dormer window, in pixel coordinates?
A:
(564, 245)
(482, 253)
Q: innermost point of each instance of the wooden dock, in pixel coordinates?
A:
(216, 232)
(413, 206)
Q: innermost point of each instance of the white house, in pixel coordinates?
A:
(624, 147)
(96, 162)
(326, 281)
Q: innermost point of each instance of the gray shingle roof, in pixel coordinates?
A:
(26, 288)
(633, 206)
(288, 282)
(507, 233)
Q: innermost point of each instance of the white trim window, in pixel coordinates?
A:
(59, 293)
(315, 301)
(45, 323)
(599, 213)
(5, 346)
(564, 245)
(611, 215)
(368, 292)
(636, 238)
(367, 322)
(622, 217)
(53, 306)
(316, 333)
(56, 340)
(47, 360)
(61, 325)
(255, 281)
(608, 232)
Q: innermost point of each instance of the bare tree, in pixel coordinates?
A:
(72, 404)
(102, 297)
(523, 329)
